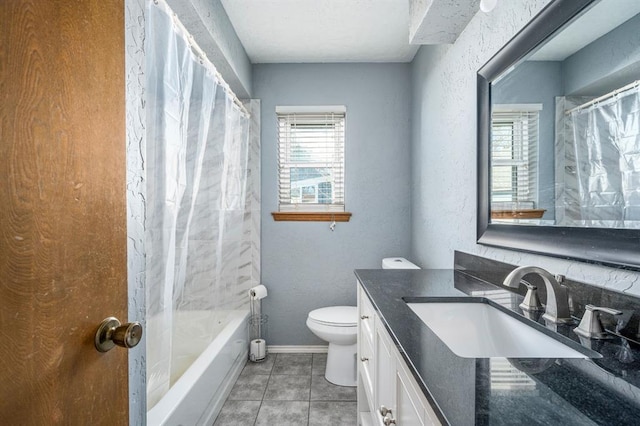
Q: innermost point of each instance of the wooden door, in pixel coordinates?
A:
(62, 211)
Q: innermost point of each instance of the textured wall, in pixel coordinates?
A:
(136, 146)
(304, 264)
(441, 21)
(443, 151)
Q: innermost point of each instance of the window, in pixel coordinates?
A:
(311, 159)
(514, 156)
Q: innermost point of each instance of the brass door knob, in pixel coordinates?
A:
(112, 333)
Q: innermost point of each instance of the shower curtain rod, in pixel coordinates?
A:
(202, 55)
(604, 97)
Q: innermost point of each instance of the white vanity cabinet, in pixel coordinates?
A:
(387, 392)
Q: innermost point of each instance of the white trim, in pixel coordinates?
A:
(516, 107)
(294, 349)
(310, 109)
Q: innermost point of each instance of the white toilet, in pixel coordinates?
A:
(338, 325)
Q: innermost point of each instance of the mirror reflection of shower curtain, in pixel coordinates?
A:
(197, 147)
(607, 155)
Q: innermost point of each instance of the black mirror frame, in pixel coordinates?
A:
(611, 247)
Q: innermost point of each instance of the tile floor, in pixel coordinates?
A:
(288, 390)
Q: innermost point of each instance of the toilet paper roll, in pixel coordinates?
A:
(258, 349)
(258, 292)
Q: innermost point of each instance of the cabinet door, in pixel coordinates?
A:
(412, 406)
(409, 411)
(366, 360)
(366, 354)
(385, 394)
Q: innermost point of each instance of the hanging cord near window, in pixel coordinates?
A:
(333, 223)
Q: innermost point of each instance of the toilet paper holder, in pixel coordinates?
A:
(257, 324)
(257, 333)
(258, 350)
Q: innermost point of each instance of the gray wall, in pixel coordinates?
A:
(537, 82)
(443, 151)
(608, 63)
(304, 265)
(208, 23)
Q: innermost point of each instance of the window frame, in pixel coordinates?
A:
(316, 211)
(528, 151)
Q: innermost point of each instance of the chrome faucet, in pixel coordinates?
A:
(557, 310)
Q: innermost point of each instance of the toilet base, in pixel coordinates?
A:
(341, 365)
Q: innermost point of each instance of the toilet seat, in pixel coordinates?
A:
(335, 316)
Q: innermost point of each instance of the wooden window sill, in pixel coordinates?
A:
(311, 216)
(518, 214)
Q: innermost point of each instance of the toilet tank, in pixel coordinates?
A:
(397, 263)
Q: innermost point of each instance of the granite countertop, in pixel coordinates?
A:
(500, 391)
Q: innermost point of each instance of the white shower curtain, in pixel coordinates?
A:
(197, 146)
(606, 140)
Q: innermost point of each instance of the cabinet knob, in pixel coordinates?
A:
(384, 411)
(364, 317)
(364, 359)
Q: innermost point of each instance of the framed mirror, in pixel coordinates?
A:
(559, 135)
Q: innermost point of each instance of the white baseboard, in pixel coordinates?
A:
(294, 349)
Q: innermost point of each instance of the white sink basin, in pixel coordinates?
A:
(478, 330)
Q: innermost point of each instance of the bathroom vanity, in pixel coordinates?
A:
(407, 375)
(387, 391)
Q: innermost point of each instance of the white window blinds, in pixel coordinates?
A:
(311, 159)
(514, 158)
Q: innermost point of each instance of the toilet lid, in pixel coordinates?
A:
(339, 316)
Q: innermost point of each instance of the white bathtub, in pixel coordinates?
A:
(210, 349)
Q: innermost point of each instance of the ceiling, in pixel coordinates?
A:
(307, 31)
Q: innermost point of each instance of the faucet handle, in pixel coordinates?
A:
(590, 325)
(531, 302)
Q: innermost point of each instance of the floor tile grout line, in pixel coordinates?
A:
(310, 376)
(255, 421)
(310, 384)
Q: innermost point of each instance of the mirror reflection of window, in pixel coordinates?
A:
(514, 161)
